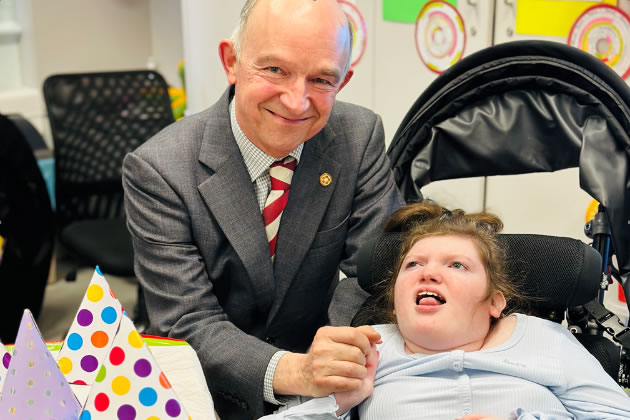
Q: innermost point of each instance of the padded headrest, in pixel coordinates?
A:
(556, 272)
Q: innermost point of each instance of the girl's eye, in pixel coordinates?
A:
(412, 264)
(458, 265)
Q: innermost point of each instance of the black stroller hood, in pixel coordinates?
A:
(522, 107)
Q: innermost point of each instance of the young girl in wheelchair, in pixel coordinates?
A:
(448, 348)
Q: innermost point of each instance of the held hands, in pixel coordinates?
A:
(348, 399)
(335, 363)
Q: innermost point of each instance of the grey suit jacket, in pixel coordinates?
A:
(202, 256)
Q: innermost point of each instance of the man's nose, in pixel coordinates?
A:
(295, 98)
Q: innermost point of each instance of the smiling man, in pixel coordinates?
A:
(243, 215)
(287, 67)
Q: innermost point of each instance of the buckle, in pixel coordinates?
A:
(609, 322)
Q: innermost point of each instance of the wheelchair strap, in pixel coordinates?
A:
(609, 322)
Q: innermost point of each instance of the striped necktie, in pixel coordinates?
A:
(281, 173)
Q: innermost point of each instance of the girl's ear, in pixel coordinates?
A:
(497, 304)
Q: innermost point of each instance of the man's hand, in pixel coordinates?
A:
(336, 362)
(348, 399)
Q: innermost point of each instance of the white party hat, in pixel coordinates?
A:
(130, 384)
(90, 337)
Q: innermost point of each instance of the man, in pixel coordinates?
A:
(212, 273)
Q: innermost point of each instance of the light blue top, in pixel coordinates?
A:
(540, 372)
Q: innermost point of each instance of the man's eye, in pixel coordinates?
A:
(322, 81)
(274, 69)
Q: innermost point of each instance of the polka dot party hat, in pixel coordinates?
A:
(130, 384)
(5, 358)
(90, 337)
(34, 388)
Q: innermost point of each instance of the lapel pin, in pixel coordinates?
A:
(325, 179)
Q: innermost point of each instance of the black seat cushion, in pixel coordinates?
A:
(106, 241)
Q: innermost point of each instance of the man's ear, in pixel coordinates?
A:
(346, 79)
(228, 59)
(497, 304)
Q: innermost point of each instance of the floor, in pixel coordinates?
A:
(63, 298)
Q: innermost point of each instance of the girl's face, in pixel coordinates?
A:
(440, 296)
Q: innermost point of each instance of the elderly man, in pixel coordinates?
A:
(243, 215)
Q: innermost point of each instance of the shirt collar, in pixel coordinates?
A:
(255, 159)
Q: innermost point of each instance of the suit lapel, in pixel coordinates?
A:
(308, 201)
(230, 196)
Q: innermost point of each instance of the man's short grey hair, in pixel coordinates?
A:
(241, 28)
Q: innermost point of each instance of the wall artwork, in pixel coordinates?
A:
(601, 31)
(440, 35)
(359, 31)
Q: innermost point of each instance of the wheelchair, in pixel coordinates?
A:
(517, 108)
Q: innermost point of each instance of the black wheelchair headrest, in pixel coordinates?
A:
(552, 272)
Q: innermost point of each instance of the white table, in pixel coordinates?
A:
(181, 366)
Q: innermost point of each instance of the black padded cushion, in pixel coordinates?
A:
(376, 259)
(556, 272)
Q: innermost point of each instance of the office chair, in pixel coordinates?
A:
(96, 119)
(26, 226)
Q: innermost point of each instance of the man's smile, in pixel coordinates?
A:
(288, 120)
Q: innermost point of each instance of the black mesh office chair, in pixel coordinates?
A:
(26, 225)
(96, 119)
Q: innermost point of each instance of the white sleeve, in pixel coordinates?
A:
(323, 408)
(589, 392)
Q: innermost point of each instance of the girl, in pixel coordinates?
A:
(449, 351)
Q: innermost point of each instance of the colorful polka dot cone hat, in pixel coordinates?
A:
(90, 337)
(130, 384)
(34, 387)
(5, 358)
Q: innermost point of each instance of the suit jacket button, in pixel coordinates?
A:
(269, 340)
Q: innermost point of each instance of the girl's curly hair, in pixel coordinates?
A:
(426, 219)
